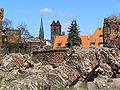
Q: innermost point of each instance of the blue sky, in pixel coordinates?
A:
(89, 14)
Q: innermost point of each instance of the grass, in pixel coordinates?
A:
(8, 81)
(83, 85)
(0, 81)
(60, 87)
(110, 80)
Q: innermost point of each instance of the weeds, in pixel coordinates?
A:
(83, 85)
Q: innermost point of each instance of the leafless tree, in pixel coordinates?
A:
(6, 23)
(24, 31)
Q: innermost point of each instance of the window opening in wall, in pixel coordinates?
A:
(59, 44)
(101, 36)
(92, 44)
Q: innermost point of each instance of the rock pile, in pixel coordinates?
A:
(19, 61)
(89, 61)
(81, 64)
(37, 77)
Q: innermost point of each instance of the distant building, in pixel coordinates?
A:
(38, 43)
(11, 36)
(91, 40)
(55, 30)
(41, 33)
(34, 41)
(8, 35)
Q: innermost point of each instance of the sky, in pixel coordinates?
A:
(89, 14)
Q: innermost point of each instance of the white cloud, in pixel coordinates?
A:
(65, 14)
(46, 10)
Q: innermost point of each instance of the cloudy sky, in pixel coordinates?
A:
(89, 14)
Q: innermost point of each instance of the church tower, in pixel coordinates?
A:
(41, 32)
(55, 30)
(1, 17)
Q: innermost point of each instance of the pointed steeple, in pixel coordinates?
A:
(41, 32)
(41, 27)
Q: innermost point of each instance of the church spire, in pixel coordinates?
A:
(41, 33)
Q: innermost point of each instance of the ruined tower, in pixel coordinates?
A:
(41, 33)
(55, 30)
(111, 32)
(1, 17)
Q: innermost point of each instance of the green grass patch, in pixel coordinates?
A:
(8, 81)
(0, 81)
(83, 85)
(60, 87)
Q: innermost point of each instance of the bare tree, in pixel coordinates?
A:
(6, 23)
(24, 32)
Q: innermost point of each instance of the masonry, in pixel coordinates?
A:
(51, 56)
(1, 17)
(9, 38)
(111, 32)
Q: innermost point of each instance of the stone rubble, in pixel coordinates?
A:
(37, 77)
(11, 61)
(88, 61)
(19, 71)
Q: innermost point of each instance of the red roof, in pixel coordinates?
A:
(96, 38)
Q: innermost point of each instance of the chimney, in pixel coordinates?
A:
(63, 33)
(89, 36)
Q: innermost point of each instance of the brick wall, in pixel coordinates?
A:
(1, 17)
(17, 48)
(52, 56)
(13, 36)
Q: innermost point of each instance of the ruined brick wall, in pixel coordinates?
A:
(13, 36)
(23, 48)
(0, 33)
(51, 56)
(1, 17)
(111, 32)
(37, 43)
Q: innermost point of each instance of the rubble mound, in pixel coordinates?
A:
(18, 71)
(19, 61)
(23, 73)
(92, 60)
